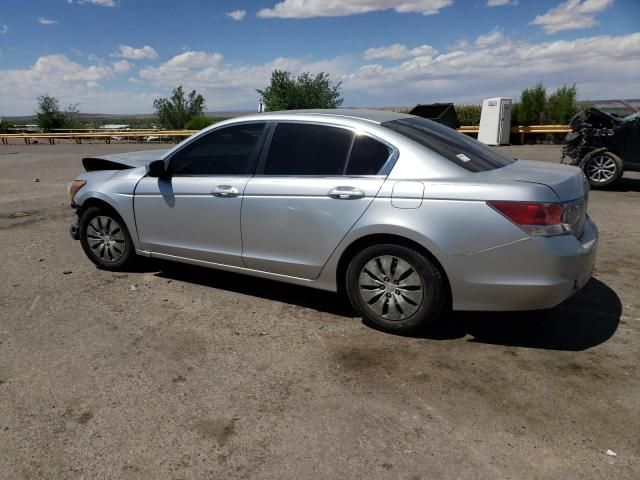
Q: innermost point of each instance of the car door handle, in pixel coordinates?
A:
(225, 191)
(346, 193)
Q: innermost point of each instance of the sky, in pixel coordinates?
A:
(117, 56)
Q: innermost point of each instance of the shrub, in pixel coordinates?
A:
(5, 126)
(176, 111)
(200, 122)
(561, 105)
(469, 114)
(50, 117)
(287, 92)
(531, 108)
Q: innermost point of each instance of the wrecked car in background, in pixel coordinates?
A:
(603, 145)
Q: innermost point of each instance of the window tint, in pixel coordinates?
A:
(456, 147)
(228, 151)
(299, 149)
(367, 156)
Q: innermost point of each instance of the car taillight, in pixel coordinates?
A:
(537, 219)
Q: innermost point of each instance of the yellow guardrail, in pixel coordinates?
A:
(106, 136)
(523, 130)
(144, 134)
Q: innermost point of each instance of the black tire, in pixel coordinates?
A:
(603, 169)
(364, 282)
(105, 239)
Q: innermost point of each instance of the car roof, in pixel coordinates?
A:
(374, 116)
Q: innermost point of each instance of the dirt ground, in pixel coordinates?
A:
(179, 372)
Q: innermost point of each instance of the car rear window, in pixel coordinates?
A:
(450, 144)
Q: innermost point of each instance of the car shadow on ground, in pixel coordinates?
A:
(627, 184)
(587, 319)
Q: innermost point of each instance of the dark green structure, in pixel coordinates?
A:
(443, 113)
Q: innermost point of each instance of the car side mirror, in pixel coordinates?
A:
(157, 169)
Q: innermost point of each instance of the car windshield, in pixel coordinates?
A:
(452, 145)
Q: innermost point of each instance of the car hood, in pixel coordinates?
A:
(568, 182)
(121, 161)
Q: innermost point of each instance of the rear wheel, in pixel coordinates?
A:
(395, 288)
(105, 239)
(603, 169)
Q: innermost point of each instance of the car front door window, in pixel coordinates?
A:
(228, 151)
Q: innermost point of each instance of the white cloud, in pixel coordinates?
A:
(46, 21)
(132, 53)
(504, 69)
(571, 15)
(4, 29)
(227, 86)
(237, 15)
(473, 71)
(101, 3)
(493, 37)
(398, 51)
(121, 66)
(340, 8)
(501, 3)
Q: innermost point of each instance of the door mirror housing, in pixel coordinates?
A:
(157, 169)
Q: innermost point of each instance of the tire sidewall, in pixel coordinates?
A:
(613, 179)
(432, 302)
(86, 217)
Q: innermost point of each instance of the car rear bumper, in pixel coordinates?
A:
(531, 274)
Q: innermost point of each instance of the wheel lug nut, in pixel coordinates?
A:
(386, 279)
(397, 292)
(388, 295)
(395, 282)
(381, 287)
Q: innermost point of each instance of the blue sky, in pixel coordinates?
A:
(115, 56)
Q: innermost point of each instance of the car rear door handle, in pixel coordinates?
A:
(225, 191)
(346, 193)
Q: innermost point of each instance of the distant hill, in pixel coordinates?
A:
(612, 106)
(112, 117)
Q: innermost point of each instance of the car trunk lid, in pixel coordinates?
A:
(568, 183)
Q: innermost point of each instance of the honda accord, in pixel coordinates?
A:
(406, 216)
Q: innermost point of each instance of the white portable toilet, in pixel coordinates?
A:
(495, 121)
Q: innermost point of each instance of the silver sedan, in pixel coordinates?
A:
(407, 216)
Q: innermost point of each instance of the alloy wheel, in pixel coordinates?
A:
(391, 288)
(106, 238)
(601, 169)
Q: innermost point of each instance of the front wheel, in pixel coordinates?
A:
(105, 239)
(602, 169)
(395, 288)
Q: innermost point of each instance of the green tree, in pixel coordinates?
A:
(199, 122)
(50, 117)
(5, 125)
(561, 105)
(176, 111)
(286, 92)
(531, 108)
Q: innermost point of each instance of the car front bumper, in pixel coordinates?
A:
(531, 274)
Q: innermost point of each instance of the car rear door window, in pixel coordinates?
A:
(229, 151)
(308, 149)
(367, 156)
